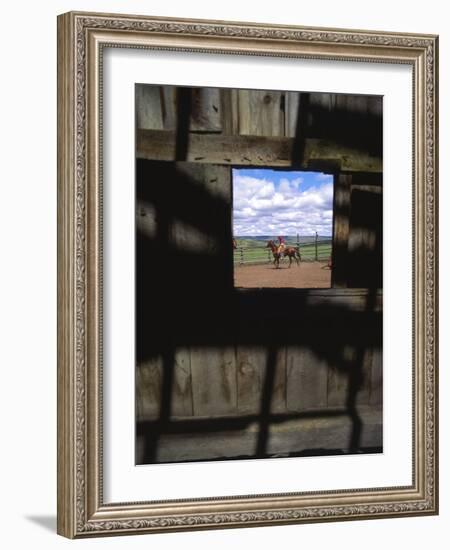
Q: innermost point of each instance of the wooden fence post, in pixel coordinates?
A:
(316, 246)
(242, 255)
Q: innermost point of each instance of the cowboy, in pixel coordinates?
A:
(281, 245)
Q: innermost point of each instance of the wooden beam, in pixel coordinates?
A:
(341, 209)
(215, 148)
(253, 151)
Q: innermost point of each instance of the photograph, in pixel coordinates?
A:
(258, 274)
(247, 274)
(223, 240)
(223, 258)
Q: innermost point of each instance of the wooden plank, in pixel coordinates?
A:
(347, 103)
(341, 229)
(366, 218)
(145, 218)
(205, 106)
(346, 157)
(182, 404)
(188, 238)
(194, 245)
(366, 357)
(295, 435)
(169, 109)
(292, 100)
(213, 370)
(367, 188)
(329, 114)
(323, 101)
(354, 365)
(149, 113)
(253, 151)
(352, 299)
(345, 369)
(359, 104)
(148, 388)
(278, 403)
(215, 148)
(217, 181)
(306, 386)
(376, 390)
(251, 372)
(251, 368)
(206, 110)
(235, 111)
(260, 113)
(229, 111)
(337, 392)
(365, 250)
(214, 387)
(374, 180)
(149, 380)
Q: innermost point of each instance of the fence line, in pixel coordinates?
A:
(314, 250)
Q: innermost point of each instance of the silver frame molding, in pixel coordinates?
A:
(81, 510)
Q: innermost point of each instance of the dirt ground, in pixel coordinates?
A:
(306, 275)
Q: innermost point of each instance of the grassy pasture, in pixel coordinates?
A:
(253, 251)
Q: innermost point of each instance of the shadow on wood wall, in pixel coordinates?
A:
(213, 360)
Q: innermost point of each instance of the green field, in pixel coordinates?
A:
(253, 251)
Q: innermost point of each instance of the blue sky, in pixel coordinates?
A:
(275, 202)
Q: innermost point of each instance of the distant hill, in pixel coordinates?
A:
(288, 238)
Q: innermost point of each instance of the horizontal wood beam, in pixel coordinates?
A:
(240, 150)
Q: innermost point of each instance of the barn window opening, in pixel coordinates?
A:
(282, 228)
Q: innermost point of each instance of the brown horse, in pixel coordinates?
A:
(276, 255)
(292, 252)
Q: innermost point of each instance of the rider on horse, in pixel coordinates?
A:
(281, 245)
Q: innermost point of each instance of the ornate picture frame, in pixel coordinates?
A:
(82, 39)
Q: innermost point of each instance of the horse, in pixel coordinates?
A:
(276, 255)
(292, 252)
(289, 251)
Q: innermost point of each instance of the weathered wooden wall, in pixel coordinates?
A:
(358, 231)
(205, 351)
(229, 381)
(258, 128)
(259, 112)
(338, 134)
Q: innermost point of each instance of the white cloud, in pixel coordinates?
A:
(261, 207)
